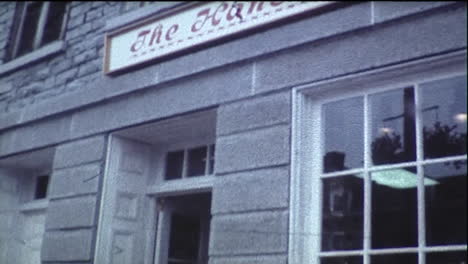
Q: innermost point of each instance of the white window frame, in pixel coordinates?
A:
(305, 199)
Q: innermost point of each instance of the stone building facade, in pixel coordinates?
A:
(239, 150)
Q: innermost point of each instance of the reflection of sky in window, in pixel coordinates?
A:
(344, 130)
(385, 106)
(444, 101)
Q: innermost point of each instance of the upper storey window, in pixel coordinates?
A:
(36, 25)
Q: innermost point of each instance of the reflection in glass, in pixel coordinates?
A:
(174, 164)
(342, 217)
(411, 258)
(341, 260)
(393, 126)
(457, 257)
(446, 204)
(344, 138)
(394, 208)
(444, 117)
(196, 161)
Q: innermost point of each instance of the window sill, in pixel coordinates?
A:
(40, 204)
(38, 54)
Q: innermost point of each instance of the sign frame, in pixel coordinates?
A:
(211, 42)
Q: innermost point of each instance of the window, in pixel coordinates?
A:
(385, 171)
(42, 183)
(191, 162)
(36, 25)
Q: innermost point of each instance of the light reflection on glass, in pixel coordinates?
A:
(444, 117)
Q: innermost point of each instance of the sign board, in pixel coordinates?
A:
(191, 26)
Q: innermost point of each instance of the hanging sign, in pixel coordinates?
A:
(191, 26)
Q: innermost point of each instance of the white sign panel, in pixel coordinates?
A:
(191, 26)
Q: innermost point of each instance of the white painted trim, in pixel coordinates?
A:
(99, 236)
(182, 186)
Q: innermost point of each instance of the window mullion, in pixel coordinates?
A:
(41, 25)
(185, 164)
(207, 159)
(16, 42)
(420, 170)
(367, 184)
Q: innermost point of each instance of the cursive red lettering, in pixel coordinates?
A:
(171, 31)
(205, 15)
(215, 21)
(234, 11)
(276, 3)
(140, 40)
(157, 32)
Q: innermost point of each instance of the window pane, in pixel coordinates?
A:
(394, 208)
(458, 257)
(342, 217)
(42, 183)
(54, 22)
(446, 203)
(212, 159)
(344, 138)
(411, 258)
(444, 117)
(196, 161)
(31, 20)
(341, 260)
(174, 164)
(393, 127)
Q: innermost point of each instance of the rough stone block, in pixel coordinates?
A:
(80, 152)
(5, 87)
(382, 45)
(41, 133)
(70, 245)
(253, 149)
(254, 113)
(214, 87)
(314, 27)
(76, 180)
(253, 190)
(75, 212)
(253, 233)
(386, 10)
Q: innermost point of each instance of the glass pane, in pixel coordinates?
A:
(394, 208)
(344, 138)
(446, 203)
(54, 22)
(212, 159)
(457, 257)
(196, 161)
(411, 258)
(42, 183)
(444, 117)
(342, 260)
(393, 127)
(31, 20)
(174, 164)
(184, 237)
(342, 213)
